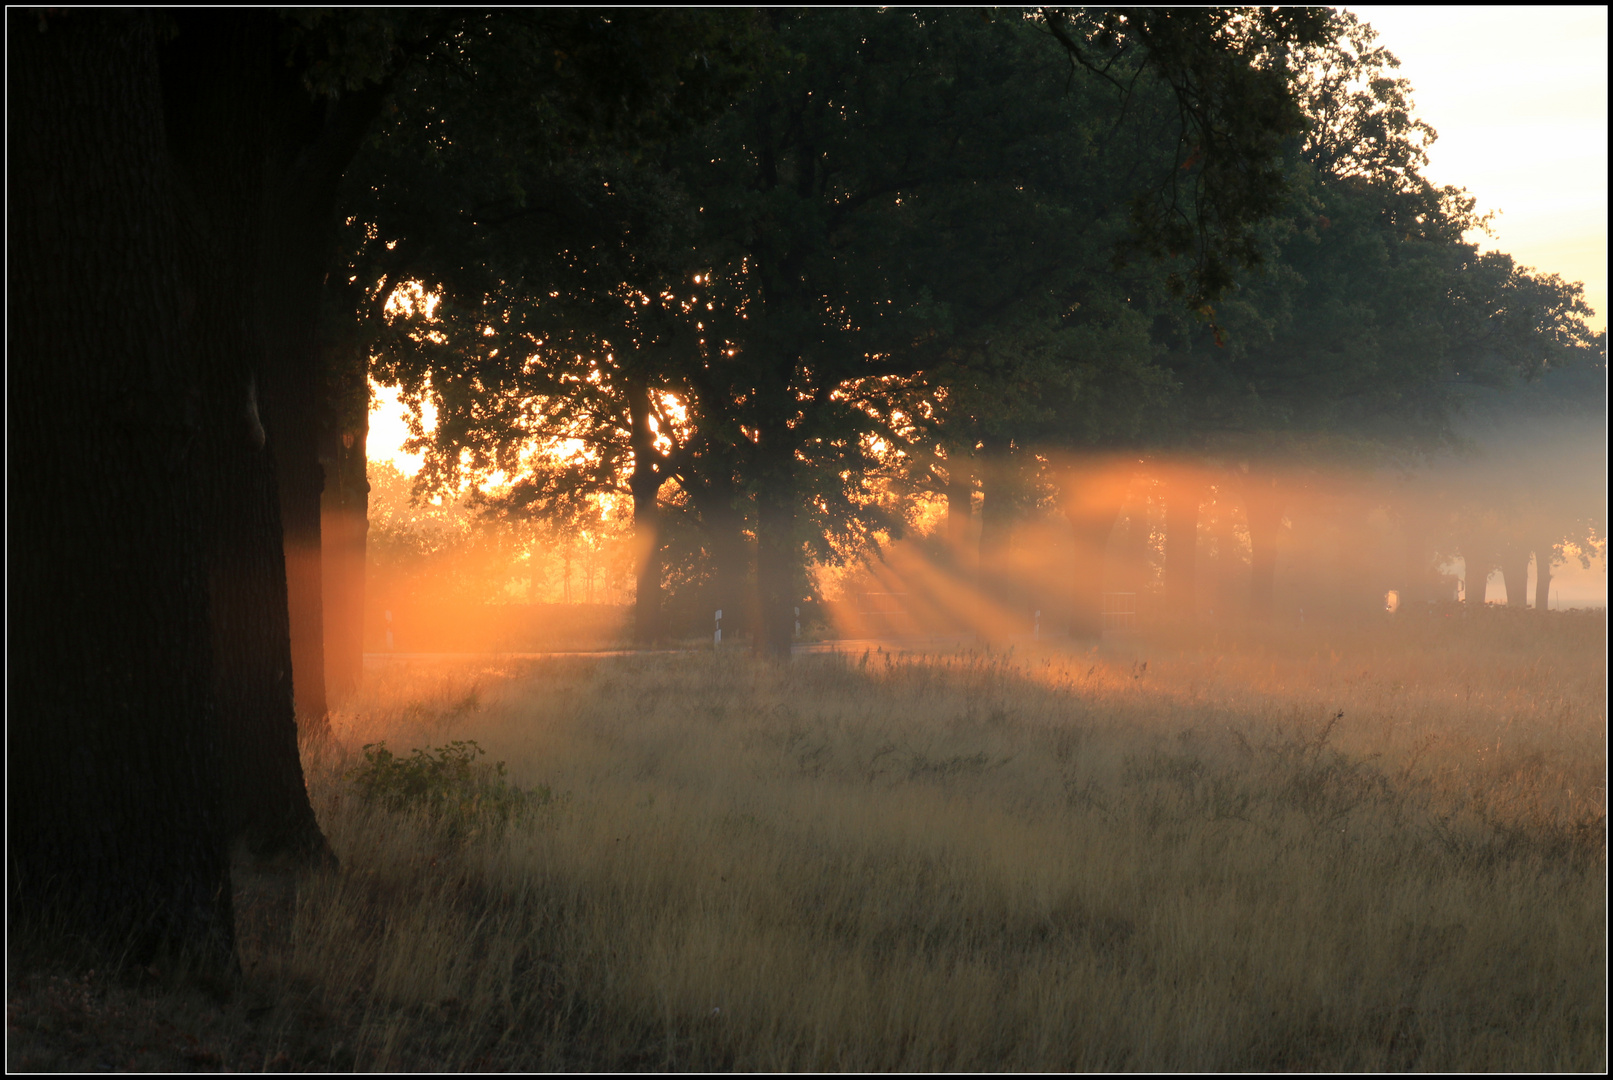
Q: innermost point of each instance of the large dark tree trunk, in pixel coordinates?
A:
(116, 831)
(150, 230)
(294, 382)
(267, 799)
(1184, 488)
(1264, 499)
(721, 505)
(1094, 492)
(218, 78)
(299, 498)
(1543, 557)
(1515, 576)
(733, 557)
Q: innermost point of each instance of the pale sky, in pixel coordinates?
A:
(389, 430)
(1519, 98)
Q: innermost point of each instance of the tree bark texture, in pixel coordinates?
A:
(1543, 557)
(116, 825)
(148, 570)
(267, 799)
(218, 75)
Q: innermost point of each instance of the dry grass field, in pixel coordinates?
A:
(1317, 848)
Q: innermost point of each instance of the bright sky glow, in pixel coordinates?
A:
(389, 430)
(1519, 98)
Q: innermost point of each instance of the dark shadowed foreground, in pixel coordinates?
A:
(1382, 848)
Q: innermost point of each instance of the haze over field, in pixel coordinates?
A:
(1551, 453)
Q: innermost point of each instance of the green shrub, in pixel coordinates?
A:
(448, 785)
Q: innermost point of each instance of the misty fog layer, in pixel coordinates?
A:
(1525, 480)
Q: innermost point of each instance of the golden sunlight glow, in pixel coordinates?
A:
(410, 300)
(674, 409)
(389, 429)
(1335, 555)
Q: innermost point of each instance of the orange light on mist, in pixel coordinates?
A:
(909, 594)
(1183, 541)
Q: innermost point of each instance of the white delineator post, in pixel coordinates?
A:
(716, 638)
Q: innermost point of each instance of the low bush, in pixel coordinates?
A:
(448, 785)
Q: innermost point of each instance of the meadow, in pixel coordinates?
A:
(1319, 848)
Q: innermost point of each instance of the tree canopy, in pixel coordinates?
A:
(900, 200)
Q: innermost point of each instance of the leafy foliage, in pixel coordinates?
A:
(448, 785)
